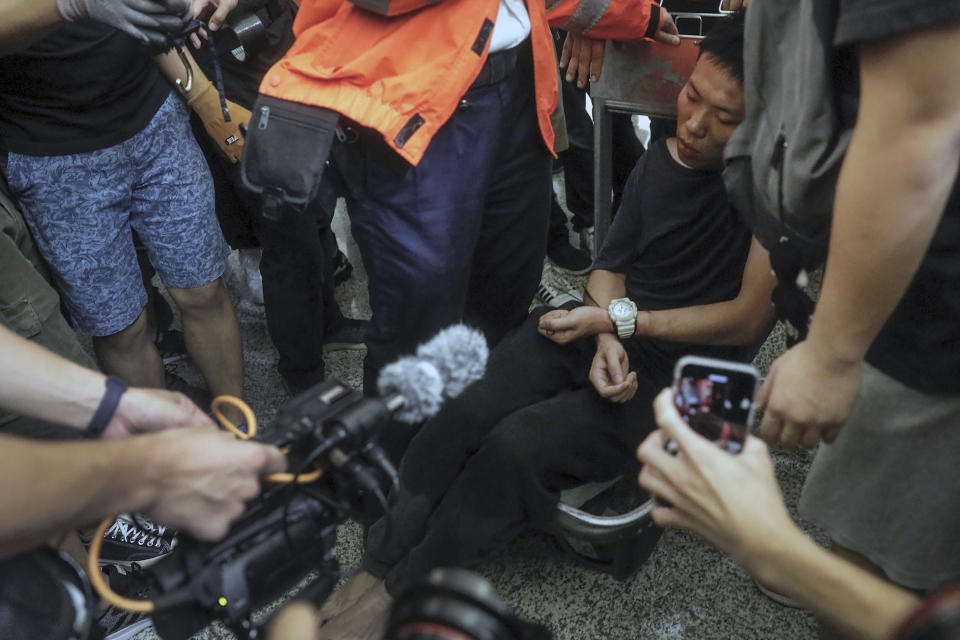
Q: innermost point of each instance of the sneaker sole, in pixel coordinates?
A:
(105, 562)
(573, 272)
(127, 564)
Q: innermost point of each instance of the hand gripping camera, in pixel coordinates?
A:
(288, 534)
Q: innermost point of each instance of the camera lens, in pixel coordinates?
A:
(455, 604)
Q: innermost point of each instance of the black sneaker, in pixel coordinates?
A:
(171, 346)
(567, 257)
(157, 529)
(201, 397)
(342, 269)
(118, 624)
(132, 540)
(554, 297)
(349, 336)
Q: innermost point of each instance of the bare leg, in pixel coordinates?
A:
(827, 632)
(131, 355)
(212, 334)
(365, 620)
(347, 595)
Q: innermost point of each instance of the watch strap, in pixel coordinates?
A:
(107, 407)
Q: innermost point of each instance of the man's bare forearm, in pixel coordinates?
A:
(602, 287)
(838, 592)
(25, 21)
(907, 139)
(104, 478)
(745, 320)
(44, 385)
(173, 69)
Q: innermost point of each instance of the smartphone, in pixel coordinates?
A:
(715, 397)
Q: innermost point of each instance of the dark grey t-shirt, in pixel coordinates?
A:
(680, 244)
(920, 343)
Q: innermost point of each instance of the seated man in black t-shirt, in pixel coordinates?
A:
(556, 409)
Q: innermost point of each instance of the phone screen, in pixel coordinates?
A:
(717, 403)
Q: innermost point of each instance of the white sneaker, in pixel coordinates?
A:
(554, 297)
(250, 267)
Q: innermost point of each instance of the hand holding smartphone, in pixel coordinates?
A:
(715, 397)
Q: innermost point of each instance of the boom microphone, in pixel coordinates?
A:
(290, 529)
(443, 367)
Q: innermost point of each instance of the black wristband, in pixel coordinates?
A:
(654, 24)
(108, 406)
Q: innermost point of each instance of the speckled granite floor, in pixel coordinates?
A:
(686, 590)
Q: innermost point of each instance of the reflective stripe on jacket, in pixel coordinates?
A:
(404, 75)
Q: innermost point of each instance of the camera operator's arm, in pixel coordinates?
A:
(204, 99)
(196, 480)
(734, 502)
(46, 386)
(745, 320)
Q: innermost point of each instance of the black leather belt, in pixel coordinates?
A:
(500, 64)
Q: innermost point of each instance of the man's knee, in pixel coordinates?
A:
(208, 298)
(130, 337)
(508, 451)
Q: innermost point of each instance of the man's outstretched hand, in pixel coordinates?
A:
(202, 478)
(563, 326)
(582, 58)
(668, 32)
(143, 410)
(610, 372)
(731, 500)
(807, 397)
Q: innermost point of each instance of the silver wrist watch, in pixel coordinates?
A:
(623, 313)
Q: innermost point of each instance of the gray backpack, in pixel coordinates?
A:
(782, 162)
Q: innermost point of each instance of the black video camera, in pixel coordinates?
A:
(289, 532)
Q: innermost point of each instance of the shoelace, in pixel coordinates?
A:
(128, 532)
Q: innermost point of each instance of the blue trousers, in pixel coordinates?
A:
(461, 236)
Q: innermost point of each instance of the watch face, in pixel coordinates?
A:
(621, 309)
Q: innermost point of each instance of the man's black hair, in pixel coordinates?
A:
(724, 42)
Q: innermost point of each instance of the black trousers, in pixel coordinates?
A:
(297, 266)
(578, 158)
(298, 291)
(495, 459)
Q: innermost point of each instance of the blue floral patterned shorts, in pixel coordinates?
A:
(82, 208)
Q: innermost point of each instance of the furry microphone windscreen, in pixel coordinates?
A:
(460, 355)
(418, 382)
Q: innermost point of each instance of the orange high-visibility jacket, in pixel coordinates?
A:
(404, 75)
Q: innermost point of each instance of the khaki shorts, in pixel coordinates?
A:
(889, 487)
